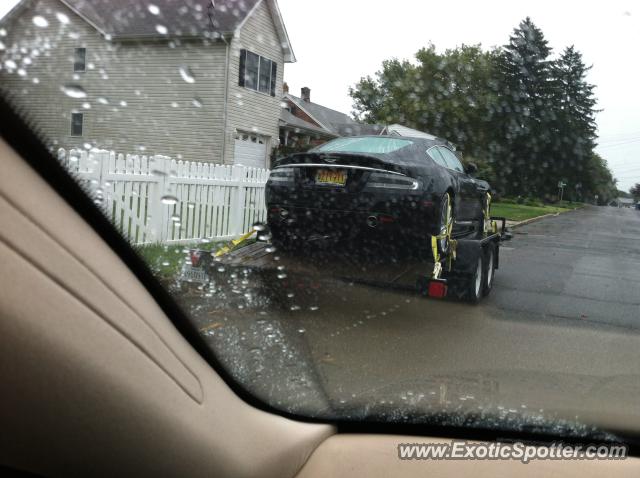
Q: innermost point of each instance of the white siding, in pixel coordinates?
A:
(143, 75)
(250, 110)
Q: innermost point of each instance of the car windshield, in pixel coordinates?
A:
(364, 145)
(491, 283)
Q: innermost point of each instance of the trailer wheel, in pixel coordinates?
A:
(475, 283)
(489, 269)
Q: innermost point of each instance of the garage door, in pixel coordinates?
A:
(251, 150)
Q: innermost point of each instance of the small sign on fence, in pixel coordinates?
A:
(154, 199)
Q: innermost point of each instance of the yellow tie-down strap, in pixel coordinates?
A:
(437, 264)
(487, 216)
(226, 249)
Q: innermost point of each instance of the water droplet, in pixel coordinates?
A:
(103, 101)
(282, 276)
(26, 60)
(270, 249)
(165, 263)
(74, 91)
(62, 18)
(197, 102)
(12, 65)
(221, 269)
(87, 145)
(2, 47)
(169, 200)
(175, 218)
(259, 227)
(22, 72)
(174, 104)
(187, 75)
(191, 205)
(3, 32)
(40, 21)
(313, 308)
(86, 106)
(36, 81)
(153, 9)
(295, 307)
(123, 103)
(301, 331)
(161, 29)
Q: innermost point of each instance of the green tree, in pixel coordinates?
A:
(635, 191)
(574, 126)
(524, 115)
(448, 95)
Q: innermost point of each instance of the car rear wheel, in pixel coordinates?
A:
(445, 224)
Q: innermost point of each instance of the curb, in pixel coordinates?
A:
(515, 225)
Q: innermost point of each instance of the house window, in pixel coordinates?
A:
(77, 122)
(80, 59)
(258, 73)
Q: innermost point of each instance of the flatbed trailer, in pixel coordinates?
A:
(466, 272)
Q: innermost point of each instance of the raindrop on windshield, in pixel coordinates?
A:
(40, 21)
(187, 75)
(103, 101)
(197, 102)
(10, 64)
(86, 106)
(62, 18)
(169, 200)
(74, 91)
(153, 9)
(161, 29)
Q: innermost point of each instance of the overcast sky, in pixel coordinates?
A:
(338, 41)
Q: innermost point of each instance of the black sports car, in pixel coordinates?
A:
(410, 188)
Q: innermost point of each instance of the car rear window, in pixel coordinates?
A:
(365, 145)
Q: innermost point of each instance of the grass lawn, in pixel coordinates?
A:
(520, 212)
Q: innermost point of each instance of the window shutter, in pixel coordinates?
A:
(243, 60)
(274, 77)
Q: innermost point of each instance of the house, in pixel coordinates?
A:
(303, 122)
(199, 80)
(623, 202)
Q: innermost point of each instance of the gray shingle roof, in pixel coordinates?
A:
(288, 119)
(328, 118)
(124, 18)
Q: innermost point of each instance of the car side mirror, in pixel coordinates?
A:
(471, 168)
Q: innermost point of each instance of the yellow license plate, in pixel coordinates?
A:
(333, 177)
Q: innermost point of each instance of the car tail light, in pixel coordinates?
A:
(391, 181)
(282, 175)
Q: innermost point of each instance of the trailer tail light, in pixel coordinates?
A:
(437, 289)
(195, 257)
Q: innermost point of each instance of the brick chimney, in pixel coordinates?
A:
(285, 88)
(305, 94)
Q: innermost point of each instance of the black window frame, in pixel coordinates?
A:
(80, 60)
(75, 124)
(253, 68)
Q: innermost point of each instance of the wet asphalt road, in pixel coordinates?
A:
(565, 306)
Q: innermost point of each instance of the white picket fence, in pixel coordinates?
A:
(158, 199)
